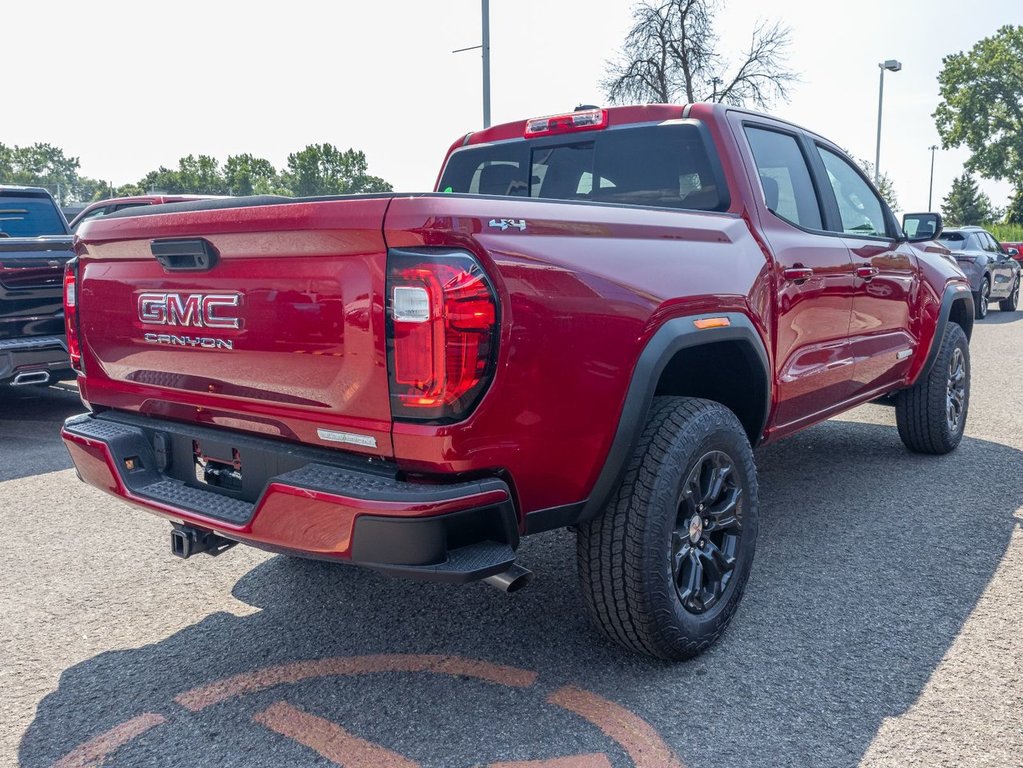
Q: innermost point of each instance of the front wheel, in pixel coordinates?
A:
(931, 415)
(663, 567)
(1010, 303)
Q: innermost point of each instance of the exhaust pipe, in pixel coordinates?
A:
(33, 377)
(512, 580)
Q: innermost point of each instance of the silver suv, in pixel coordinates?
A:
(994, 275)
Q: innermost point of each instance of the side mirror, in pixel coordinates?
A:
(921, 227)
(1014, 252)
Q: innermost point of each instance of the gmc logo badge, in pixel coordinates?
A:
(190, 310)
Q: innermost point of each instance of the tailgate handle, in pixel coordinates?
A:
(195, 255)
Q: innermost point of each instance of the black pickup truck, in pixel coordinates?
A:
(35, 243)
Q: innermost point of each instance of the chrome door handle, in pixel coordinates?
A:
(797, 274)
(867, 273)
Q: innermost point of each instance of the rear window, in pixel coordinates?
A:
(664, 166)
(29, 217)
(954, 241)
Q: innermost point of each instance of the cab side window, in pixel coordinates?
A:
(785, 177)
(93, 214)
(860, 208)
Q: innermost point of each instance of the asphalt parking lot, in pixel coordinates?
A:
(882, 626)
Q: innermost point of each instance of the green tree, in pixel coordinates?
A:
(966, 204)
(323, 169)
(88, 190)
(884, 183)
(1014, 213)
(671, 54)
(6, 163)
(161, 180)
(982, 105)
(41, 165)
(249, 175)
(200, 175)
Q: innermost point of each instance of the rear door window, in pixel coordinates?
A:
(663, 166)
(785, 177)
(954, 241)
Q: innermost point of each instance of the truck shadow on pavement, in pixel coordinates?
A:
(869, 561)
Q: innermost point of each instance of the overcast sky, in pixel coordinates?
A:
(129, 86)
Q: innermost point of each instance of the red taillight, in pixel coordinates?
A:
(442, 334)
(583, 120)
(74, 347)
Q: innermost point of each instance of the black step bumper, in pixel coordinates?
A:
(312, 502)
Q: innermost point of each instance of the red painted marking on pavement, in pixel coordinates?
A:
(95, 750)
(575, 761)
(329, 739)
(267, 677)
(639, 740)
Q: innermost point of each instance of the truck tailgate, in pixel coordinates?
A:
(281, 332)
(31, 271)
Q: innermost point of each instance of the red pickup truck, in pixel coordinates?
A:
(590, 324)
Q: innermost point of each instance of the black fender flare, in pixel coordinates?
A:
(955, 292)
(674, 335)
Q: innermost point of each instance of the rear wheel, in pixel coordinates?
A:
(931, 415)
(664, 566)
(982, 298)
(1010, 303)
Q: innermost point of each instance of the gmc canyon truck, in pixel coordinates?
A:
(590, 324)
(35, 244)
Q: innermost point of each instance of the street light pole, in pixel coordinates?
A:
(486, 63)
(890, 65)
(930, 192)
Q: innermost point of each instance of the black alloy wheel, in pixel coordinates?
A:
(708, 526)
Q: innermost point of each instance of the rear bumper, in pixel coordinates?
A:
(314, 502)
(33, 354)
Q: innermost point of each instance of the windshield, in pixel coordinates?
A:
(664, 166)
(954, 241)
(29, 217)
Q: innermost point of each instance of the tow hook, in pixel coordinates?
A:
(187, 541)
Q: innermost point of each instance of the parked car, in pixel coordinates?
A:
(71, 210)
(35, 244)
(105, 207)
(591, 326)
(993, 274)
(1015, 250)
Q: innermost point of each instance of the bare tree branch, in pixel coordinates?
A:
(671, 54)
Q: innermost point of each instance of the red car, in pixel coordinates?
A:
(590, 324)
(1017, 247)
(105, 207)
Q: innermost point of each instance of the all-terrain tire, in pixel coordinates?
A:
(924, 411)
(1010, 302)
(625, 554)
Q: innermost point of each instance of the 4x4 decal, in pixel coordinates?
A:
(503, 224)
